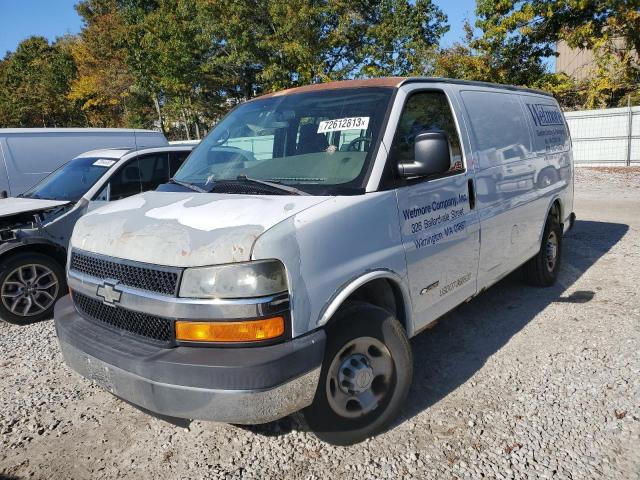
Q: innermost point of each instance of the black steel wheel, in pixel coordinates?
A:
(366, 375)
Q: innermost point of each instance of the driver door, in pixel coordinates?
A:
(439, 224)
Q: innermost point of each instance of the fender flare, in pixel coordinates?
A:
(548, 211)
(347, 289)
(24, 243)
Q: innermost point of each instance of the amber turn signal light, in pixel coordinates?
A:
(246, 331)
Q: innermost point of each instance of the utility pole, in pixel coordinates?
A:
(630, 131)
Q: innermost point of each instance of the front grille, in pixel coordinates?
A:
(163, 281)
(148, 326)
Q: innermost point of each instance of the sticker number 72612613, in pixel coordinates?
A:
(351, 123)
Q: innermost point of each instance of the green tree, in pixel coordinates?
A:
(268, 45)
(34, 82)
(169, 43)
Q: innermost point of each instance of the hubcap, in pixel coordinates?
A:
(29, 290)
(552, 251)
(360, 377)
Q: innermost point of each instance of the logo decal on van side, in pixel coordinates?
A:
(424, 220)
(429, 287)
(545, 115)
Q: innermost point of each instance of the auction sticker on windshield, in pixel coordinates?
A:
(351, 123)
(103, 162)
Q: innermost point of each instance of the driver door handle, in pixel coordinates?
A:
(472, 194)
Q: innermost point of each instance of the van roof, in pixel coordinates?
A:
(76, 130)
(395, 82)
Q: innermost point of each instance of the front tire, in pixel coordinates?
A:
(542, 270)
(366, 375)
(30, 284)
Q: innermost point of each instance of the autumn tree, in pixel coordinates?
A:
(105, 85)
(610, 28)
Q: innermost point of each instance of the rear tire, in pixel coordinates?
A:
(30, 284)
(366, 375)
(542, 270)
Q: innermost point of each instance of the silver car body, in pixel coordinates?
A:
(51, 222)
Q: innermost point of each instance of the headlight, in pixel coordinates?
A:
(238, 280)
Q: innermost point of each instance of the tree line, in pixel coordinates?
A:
(179, 65)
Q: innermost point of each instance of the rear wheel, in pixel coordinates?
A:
(366, 375)
(542, 270)
(30, 284)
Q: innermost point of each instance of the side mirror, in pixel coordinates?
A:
(432, 155)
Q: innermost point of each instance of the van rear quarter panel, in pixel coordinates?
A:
(327, 247)
(522, 160)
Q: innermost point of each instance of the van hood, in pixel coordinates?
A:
(13, 205)
(185, 229)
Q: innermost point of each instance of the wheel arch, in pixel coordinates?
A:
(37, 245)
(554, 209)
(383, 288)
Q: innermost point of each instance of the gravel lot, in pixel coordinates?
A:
(518, 383)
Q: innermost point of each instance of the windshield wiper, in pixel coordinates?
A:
(276, 185)
(190, 186)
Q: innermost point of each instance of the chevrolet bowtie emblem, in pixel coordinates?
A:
(108, 293)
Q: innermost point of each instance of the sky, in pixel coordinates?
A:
(54, 18)
(49, 18)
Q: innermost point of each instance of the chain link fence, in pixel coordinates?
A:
(605, 137)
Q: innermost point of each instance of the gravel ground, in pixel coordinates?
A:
(518, 383)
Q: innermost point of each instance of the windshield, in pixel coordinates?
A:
(320, 142)
(72, 180)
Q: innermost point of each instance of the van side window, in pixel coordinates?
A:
(423, 112)
(498, 125)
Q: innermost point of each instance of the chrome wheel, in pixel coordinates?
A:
(360, 377)
(552, 251)
(29, 290)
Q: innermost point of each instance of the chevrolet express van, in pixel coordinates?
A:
(306, 239)
(27, 155)
(35, 227)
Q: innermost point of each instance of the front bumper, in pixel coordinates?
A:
(234, 385)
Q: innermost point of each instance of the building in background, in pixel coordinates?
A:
(578, 62)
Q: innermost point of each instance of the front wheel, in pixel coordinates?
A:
(366, 375)
(30, 284)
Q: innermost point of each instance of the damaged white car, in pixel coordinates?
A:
(35, 227)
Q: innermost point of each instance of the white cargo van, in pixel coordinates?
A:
(27, 155)
(306, 239)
